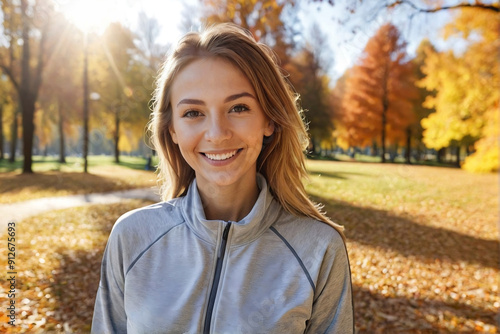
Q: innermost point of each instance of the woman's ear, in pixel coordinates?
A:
(173, 135)
(269, 130)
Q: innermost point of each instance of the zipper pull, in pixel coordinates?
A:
(224, 239)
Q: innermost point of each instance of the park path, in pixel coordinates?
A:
(21, 210)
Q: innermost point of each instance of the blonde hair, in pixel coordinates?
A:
(281, 160)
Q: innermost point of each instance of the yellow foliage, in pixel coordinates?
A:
(128, 141)
(467, 98)
(486, 158)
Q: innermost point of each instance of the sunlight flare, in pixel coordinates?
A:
(91, 15)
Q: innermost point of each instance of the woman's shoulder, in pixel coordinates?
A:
(306, 232)
(306, 226)
(151, 219)
(317, 244)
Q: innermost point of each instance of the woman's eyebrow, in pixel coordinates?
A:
(227, 99)
(237, 96)
(191, 101)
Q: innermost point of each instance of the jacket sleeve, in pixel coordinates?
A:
(333, 310)
(109, 311)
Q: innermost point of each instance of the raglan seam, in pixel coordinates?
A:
(117, 285)
(306, 272)
(148, 247)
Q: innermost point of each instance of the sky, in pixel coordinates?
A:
(346, 40)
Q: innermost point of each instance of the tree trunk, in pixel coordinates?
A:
(457, 154)
(374, 148)
(384, 121)
(117, 137)
(394, 152)
(440, 154)
(408, 146)
(62, 153)
(26, 97)
(28, 108)
(385, 106)
(1, 133)
(13, 139)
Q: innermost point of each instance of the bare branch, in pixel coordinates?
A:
(492, 7)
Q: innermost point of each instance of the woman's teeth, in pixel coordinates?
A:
(224, 156)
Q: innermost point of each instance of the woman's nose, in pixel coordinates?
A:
(218, 130)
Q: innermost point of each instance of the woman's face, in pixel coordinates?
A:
(217, 122)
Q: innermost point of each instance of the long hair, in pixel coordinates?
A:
(282, 160)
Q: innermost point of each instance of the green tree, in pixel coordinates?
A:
(23, 62)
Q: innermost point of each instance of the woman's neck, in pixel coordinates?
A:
(229, 203)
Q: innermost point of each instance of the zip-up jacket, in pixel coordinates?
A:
(167, 269)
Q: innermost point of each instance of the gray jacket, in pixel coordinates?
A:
(167, 269)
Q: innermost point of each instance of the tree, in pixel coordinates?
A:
(308, 76)
(379, 92)
(117, 82)
(480, 5)
(270, 21)
(426, 7)
(151, 55)
(421, 111)
(146, 41)
(6, 104)
(337, 95)
(60, 97)
(24, 62)
(467, 97)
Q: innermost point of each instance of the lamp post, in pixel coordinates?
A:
(85, 104)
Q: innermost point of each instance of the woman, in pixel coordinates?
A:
(237, 247)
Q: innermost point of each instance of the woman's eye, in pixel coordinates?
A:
(239, 108)
(191, 114)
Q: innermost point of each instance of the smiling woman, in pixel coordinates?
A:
(241, 248)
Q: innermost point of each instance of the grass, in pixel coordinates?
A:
(423, 245)
(73, 164)
(358, 157)
(54, 179)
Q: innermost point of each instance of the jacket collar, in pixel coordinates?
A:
(263, 214)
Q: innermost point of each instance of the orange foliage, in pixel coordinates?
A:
(263, 18)
(378, 93)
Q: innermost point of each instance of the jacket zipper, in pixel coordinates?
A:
(215, 285)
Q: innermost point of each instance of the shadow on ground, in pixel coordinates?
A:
(75, 287)
(386, 230)
(13, 186)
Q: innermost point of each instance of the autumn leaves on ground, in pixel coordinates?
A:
(423, 245)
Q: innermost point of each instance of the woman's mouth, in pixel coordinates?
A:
(221, 156)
